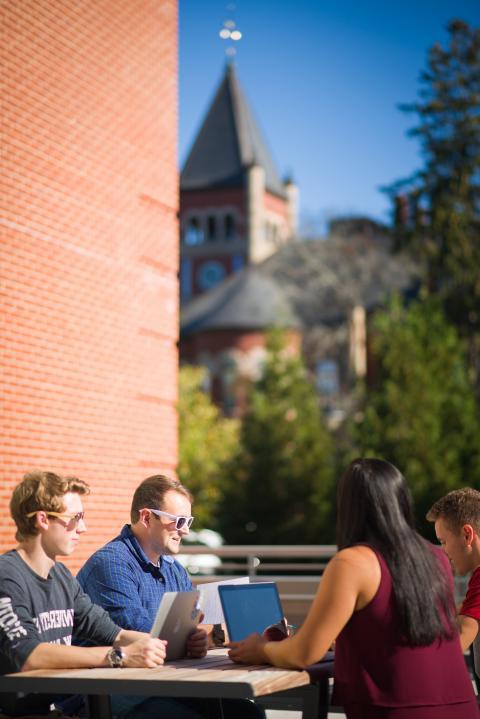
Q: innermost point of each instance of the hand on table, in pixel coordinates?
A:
(249, 650)
(197, 644)
(145, 652)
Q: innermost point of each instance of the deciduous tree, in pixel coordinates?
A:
(207, 440)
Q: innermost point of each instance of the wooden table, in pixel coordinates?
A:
(213, 676)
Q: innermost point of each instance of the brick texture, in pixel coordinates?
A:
(89, 249)
(215, 342)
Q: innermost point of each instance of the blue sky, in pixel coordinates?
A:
(324, 79)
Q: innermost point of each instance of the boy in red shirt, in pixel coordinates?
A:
(457, 526)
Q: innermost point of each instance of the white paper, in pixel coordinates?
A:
(210, 599)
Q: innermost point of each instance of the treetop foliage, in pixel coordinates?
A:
(281, 477)
(437, 212)
(207, 440)
(421, 414)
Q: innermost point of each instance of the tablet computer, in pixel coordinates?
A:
(177, 617)
(249, 608)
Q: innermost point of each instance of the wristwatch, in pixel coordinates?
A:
(115, 656)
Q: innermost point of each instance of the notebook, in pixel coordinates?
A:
(249, 608)
(210, 599)
(177, 617)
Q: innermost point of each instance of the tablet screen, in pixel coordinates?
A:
(250, 608)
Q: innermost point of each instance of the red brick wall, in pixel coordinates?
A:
(201, 199)
(89, 250)
(217, 341)
(212, 344)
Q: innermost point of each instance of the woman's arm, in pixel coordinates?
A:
(468, 630)
(349, 582)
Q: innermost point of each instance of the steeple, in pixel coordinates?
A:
(234, 209)
(228, 144)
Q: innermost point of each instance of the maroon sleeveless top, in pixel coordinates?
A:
(373, 666)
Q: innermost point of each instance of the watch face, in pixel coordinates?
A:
(115, 657)
(210, 274)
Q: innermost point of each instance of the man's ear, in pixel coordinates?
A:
(41, 520)
(468, 534)
(144, 517)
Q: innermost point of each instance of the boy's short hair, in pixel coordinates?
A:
(151, 493)
(40, 491)
(457, 508)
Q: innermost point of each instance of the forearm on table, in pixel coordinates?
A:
(57, 656)
(127, 636)
(292, 653)
(279, 656)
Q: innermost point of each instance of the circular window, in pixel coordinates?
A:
(210, 274)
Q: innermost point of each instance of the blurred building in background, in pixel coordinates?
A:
(225, 330)
(234, 209)
(89, 252)
(323, 292)
(240, 273)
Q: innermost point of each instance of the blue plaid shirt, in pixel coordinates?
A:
(121, 578)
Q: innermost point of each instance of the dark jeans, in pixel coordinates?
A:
(136, 707)
(141, 707)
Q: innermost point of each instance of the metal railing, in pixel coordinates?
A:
(297, 580)
(296, 569)
(255, 554)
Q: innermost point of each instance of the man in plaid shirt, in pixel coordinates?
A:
(129, 575)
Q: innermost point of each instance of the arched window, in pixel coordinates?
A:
(193, 234)
(229, 227)
(211, 228)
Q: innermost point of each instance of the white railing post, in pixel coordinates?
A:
(252, 564)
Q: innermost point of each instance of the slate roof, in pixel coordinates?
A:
(228, 143)
(245, 300)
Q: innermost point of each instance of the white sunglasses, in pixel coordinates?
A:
(180, 522)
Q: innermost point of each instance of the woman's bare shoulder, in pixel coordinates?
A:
(359, 556)
(360, 566)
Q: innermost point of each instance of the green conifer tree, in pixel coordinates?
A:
(421, 414)
(282, 475)
(438, 209)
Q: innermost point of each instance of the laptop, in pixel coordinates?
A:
(177, 617)
(254, 607)
(249, 608)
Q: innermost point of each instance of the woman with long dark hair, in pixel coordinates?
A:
(387, 599)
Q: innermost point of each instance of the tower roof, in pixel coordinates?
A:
(228, 143)
(246, 300)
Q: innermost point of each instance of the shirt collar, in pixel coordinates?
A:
(130, 539)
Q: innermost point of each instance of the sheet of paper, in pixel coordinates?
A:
(210, 599)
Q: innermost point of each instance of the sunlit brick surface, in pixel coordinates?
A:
(88, 294)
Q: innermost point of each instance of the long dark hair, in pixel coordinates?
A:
(374, 506)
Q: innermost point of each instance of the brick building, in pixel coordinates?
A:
(234, 208)
(225, 330)
(89, 247)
